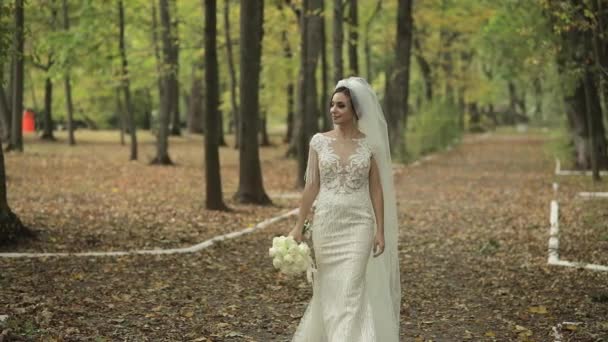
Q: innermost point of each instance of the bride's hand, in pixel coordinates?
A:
(296, 233)
(378, 244)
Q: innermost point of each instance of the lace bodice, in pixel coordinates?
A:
(343, 165)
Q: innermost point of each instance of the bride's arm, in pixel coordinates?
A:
(377, 197)
(310, 192)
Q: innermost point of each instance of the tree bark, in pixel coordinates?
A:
(159, 63)
(68, 83)
(324, 98)
(234, 108)
(425, 69)
(307, 112)
(195, 104)
(353, 38)
(251, 187)
(338, 40)
(16, 143)
(125, 80)
(162, 146)
(174, 79)
(289, 88)
(213, 180)
(397, 91)
(11, 228)
(367, 46)
(264, 131)
(47, 130)
(5, 114)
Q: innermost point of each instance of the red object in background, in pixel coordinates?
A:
(29, 121)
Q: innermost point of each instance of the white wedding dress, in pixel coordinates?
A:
(342, 234)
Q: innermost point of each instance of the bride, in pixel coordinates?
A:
(356, 289)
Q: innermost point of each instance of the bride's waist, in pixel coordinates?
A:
(345, 200)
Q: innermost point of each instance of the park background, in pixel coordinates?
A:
(156, 125)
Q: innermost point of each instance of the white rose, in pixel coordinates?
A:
(272, 251)
(277, 263)
(288, 258)
(304, 249)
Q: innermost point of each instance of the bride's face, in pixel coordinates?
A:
(341, 109)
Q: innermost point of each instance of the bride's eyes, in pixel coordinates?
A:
(339, 105)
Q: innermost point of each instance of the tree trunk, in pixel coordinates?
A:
(251, 187)
(125, 77)
(220, 122)
(425, 69)
(367, 46)
(338, 40)
(264, 131)
(397, 91)
(174, 79)
(67, 83)
(289, 88)
(159, 63)
(213, 180)
(324, 103)
(234, 108)
(538, 96)
(47, 130)
(162, 146)
(17, 88)
(120, 112)
(195, 104)
(353, 38)
(307, 112)
(5, 114)
(11, 227)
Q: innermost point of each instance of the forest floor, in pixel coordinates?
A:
(474, 226)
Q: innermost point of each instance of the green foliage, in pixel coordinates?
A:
(5, 34)
(434, 128)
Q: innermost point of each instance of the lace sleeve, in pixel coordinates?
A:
(312, 166)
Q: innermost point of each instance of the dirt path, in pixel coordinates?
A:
(474, 229)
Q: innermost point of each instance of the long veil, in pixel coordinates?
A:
(383, 283)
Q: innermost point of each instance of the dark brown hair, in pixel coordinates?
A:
(346, 92)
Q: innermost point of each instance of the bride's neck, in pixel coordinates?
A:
(346, 131)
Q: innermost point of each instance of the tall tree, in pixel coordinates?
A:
(162, 144)
(174, 87)
(195, 101)
(289, 87)
(68, 82)
(367, 45)
(125, 80)
(234, 108)
(338, 40)
(47, 119)
(353, 37)
(5, 114)
(324, 98)
(577, 67)
(251, 186)
(397, 80)
(213, 178)
(11, 227)
(17, 87)
(308, 110)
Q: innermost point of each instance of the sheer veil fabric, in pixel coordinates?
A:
(383, 282)
(382, 277)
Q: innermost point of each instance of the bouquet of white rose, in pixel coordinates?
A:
(291, 258)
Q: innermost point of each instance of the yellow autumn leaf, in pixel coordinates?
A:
(490, 333)
(538, 309)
